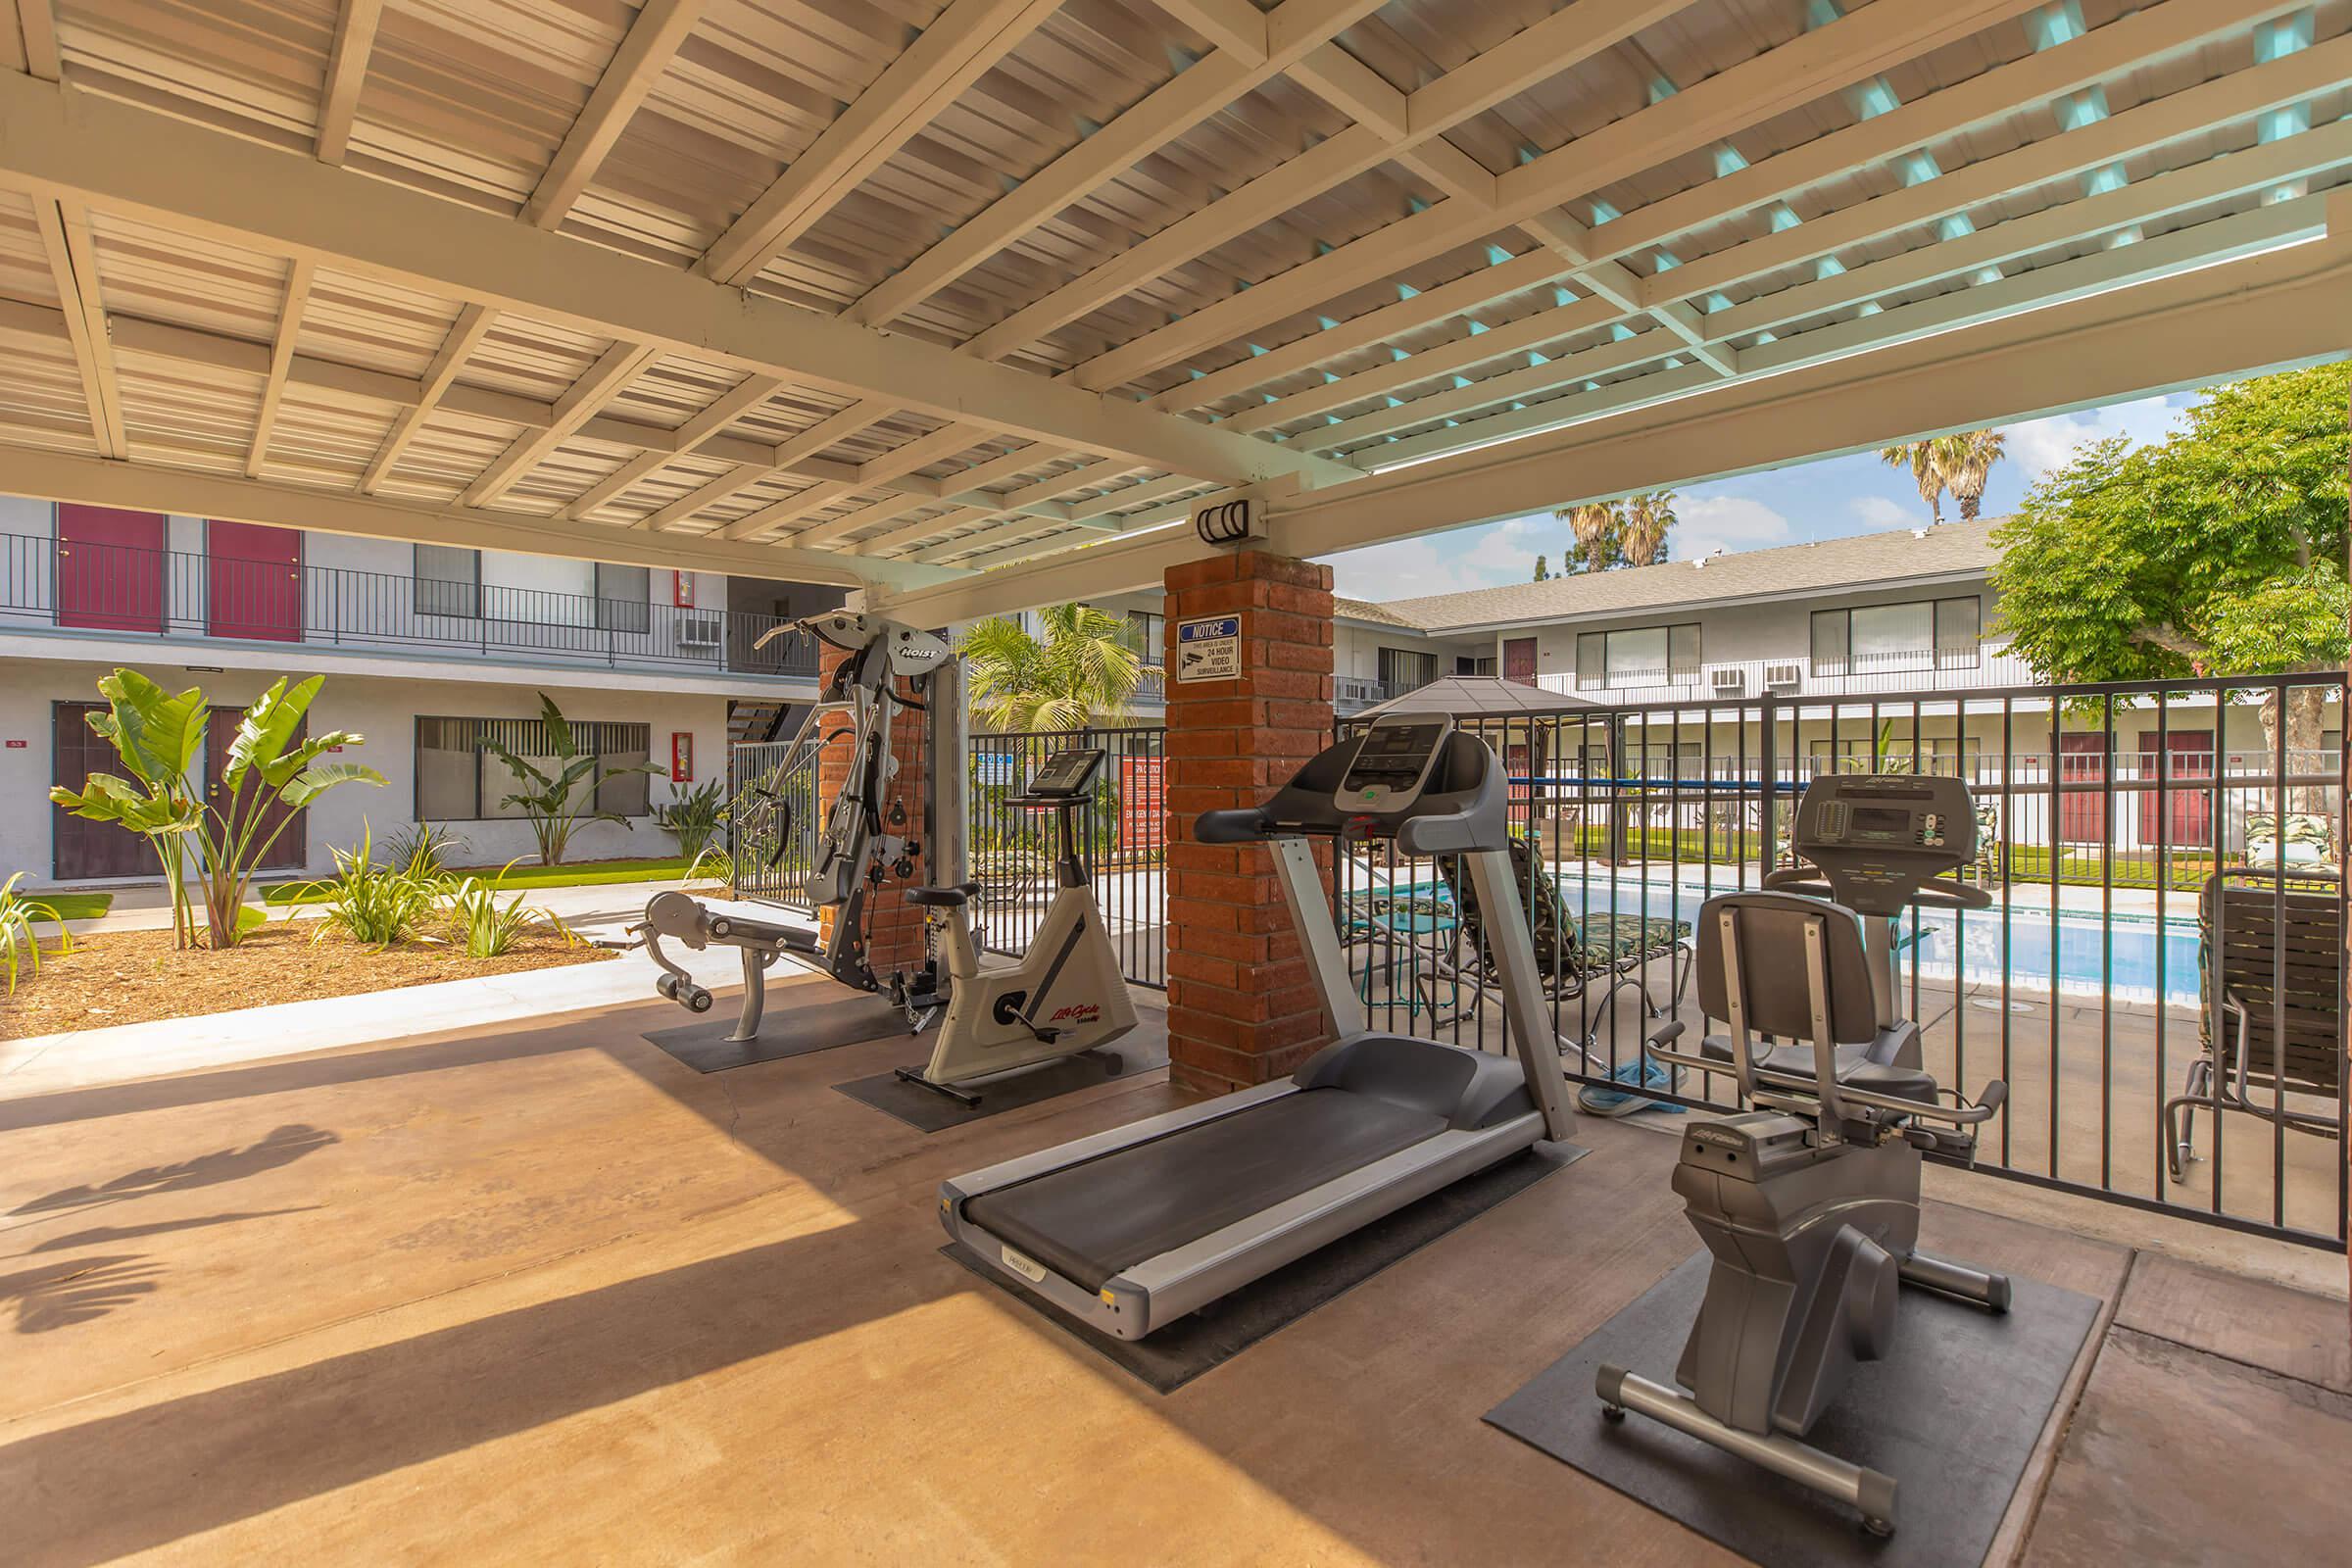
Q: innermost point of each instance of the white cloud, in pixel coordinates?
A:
(1884, 511)
(2040, 445)
(1707, 526)
(1486, 557)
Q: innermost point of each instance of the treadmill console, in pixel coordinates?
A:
(1392, 766)
(1878, 836)
(1066, 775)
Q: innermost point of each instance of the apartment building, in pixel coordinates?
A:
(429, 653)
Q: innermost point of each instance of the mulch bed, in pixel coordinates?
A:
(137, 976)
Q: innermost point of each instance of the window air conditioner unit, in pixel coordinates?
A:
(1783, 677)
(1731, 682)
(698, 631)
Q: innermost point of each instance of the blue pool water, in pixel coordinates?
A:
(2134, 958)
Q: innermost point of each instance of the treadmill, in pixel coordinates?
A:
(1131, 1229)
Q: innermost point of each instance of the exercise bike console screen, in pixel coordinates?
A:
(1068, 774)
(1392, 764)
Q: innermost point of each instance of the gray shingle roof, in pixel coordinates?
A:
(1829, 565)
(1365, 610)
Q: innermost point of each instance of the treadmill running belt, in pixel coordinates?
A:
(1088, 1221)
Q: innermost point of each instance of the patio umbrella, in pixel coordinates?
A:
(1480, 697)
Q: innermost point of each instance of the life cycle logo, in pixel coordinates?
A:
(1077, 1012)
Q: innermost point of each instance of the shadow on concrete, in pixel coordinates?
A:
(60, 1295)
(115, 1235)
(285, 1145)
(271, 1441)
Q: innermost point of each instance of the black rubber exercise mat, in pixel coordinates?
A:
(1953, 1414)
(800, 1018)
(928, 1110)
(1222, 1330)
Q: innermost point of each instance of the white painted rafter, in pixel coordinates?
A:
(177, 174)
(465, 335)
(704, 426)
(956, 50)
(1852, 48)
(1295, 30)
(65, 228)
(646, 51)
(281, 359)
(613, 371)
(346, 71)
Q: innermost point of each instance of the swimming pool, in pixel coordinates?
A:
(2131, 957)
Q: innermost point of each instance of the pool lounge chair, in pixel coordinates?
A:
(1614, 951)
(2255, 926)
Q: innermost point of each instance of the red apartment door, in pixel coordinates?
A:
(2187, 780)
(292, 851)
(1519, 659)
(253, 581)
(79, 847)
(110, 569)
(2081, 812)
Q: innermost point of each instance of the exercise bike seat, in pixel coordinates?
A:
(1858, 1067)
(954, 897)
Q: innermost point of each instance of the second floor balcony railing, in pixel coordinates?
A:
(51, 585)
(1979, 667)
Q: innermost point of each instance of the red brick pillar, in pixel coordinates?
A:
(1241, 1008)
(894, 927)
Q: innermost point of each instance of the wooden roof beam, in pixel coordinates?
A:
(961, 44)
(346, 72)
(65, 227)
(282, 359)
(1853, 48)
(646, 51)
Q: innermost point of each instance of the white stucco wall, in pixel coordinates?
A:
(383, 709)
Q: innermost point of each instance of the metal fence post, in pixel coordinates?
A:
(1768, 762)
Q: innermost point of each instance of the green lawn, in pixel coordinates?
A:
(76, 905)
(584, 874)
(2080, 866)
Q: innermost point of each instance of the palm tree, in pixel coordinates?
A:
(1974, 452)
(1081, 671)
(1599, 526)
(1650, 517)
(1929, 464)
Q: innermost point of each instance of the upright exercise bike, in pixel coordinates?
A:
(1811, 1201)
(1065, 995)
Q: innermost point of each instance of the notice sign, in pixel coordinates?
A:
(1210, 650)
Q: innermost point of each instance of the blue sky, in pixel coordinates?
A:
(1795, 505)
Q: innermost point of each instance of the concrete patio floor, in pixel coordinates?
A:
(541, 1294)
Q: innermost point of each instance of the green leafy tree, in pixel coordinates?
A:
(1599, 530)
(559, 798)
(1543, 563)
(1081, 671)
(2217, 552)
(267, 777)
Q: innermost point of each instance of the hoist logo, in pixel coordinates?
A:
(1077, 1012)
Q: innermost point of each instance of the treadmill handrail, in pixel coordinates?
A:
(1941, 893)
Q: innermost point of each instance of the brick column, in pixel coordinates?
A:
(894, 927)
(1241, 1008)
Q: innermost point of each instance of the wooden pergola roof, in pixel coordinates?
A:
(891, 292)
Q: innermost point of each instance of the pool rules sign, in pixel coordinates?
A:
(1209, 649)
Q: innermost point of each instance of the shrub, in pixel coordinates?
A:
(694, 819)
(557, 804)
(376, 905)
(421, 848)
(18, 943)
(159, 736)
(487, 928)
